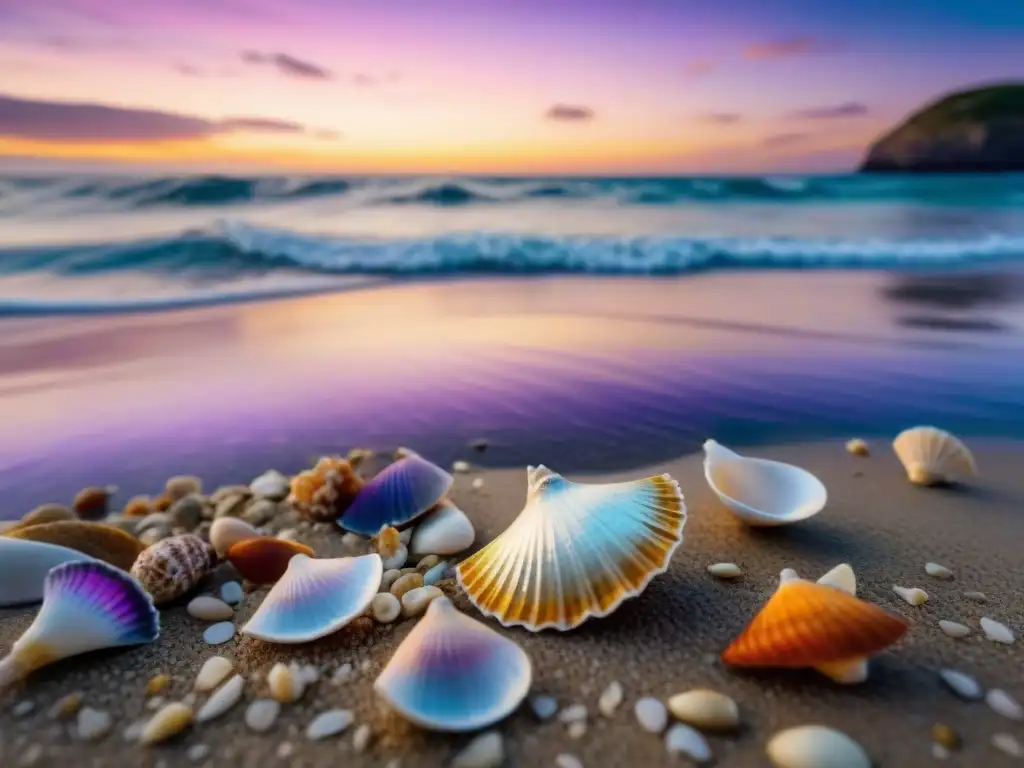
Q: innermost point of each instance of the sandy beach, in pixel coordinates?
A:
(664, 642)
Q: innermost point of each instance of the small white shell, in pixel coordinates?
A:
(212, 673)
(932, 456)
(964, 686)
(761, 492)
(222, 700)
(954, 629)
(683, 740)
(814, 746)
(705, 709)
(996, 632)
(912, 595)
(1004, 704)
(445, 531)
(651, 714)
(937, 571)
(261, 715)
(725, 570)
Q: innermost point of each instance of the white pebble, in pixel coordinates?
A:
(361, 738)
(978, 597)
(1004, 704)
(478, 483)
(261, 715)
(1008, 744)
(485, 751)
(545, 707)
(461, 467)
(964, 686)
(92, 724)
(222, 700)
(814, 746)
(285, 750)
(214, 671)
(271, 485)
(231, 593)
(405, 535)
(134, 731)
(954, 629)
(681, 739)
(996, 632)
(651, 714)
(397, 560)
(705, 709)
(226, 531)
(288, 534)
(576, 713)
(217, 634)
(939, 752)
(415, 601)
(23, 708)
(610, 699)
(155, 703)
(329, 723)
(725, 570)
(208, 608)
(937, 571)
(343, 674)
(310, 673)
(912, 595)
(197, 753)
(388, 578)
(577, 730)
(568, 761)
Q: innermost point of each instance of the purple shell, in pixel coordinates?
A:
(397, 496)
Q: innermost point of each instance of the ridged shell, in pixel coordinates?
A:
(173, 567)
(398, 495)
(576, 550)
(24, 565)
(932, 456)
(324, 492)
(806, 625)
(453, 673)
(103, 542)
(264, 559)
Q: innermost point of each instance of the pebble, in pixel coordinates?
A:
(426, 563)
(197, 753)
(1004, 704)
(912, 595)
(939, 752)
(232, 505)
(814, 746)
(134, 731)
(66, 706)
(271, 485)
(260, 512)
(485, 751)
(213, 672)
(209, 608)
(31, 755)
(478, 483)
(964, 686)
(181, 486)
(310, 674)
(857, 447)
(651, 714)
(23, 708)
(329, 723)
(565, 760)
(1008, 744)
(575, 713)
(355, 541)
(231, 593)
(577, 730)
(405, 583)
(415, 601)
(261, 715)
(398, 559)
(545, 707)
(681, 739)
(361, 738)
(288, 534)
(168, 722)
(954, 629)
(343, 674)
(222, 700)
(996, 632)
(725, 571)
(285, 750)
(93, 724)
(217, 634)
(461, 467)
(186, 512)
(286, 684)
(946, 736)
(152, 536)
(435, 574)
(610, 699)
(937, 571)
(226, 531)
(388, 579)
(705, 709)
(978, 597)
(155, 703)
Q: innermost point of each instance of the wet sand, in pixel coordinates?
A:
(664, 642)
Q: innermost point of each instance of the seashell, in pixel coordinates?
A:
(222, 700)
(401, 493)
(937, 571)
(444, 531)
(576, 550)
(387, 541)
(168, 722)
(173, 567)
(485, 751)
(329, 723)
(24, 565)
(1007, 744)
(964, 686)
(86, 606)
(858, 447)
(315, 598)
(323, 493)
(209, 608)
(932, 456)
(813, 746)
(1002, 703)
(725, 570)
(761, 492)
(45, 513)
(186, 512)
(996, 632)
(385, 607)
(683, 740)
(102, 542)
(180, 486)
(415, 601)
(815, 625)
(271, 485)
(453, 673)
(139, 506)
(93, 503)
(707, 710)
(226, 531)
(262, 714)
(264, 559)
(954, 629)
(213, 672)
(911, 595)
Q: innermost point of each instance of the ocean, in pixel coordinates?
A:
(76, 244)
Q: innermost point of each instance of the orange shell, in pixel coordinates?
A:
(138, 506)
(104, 542)
(806, 624)
(264, 559)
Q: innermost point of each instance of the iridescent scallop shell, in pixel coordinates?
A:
(173, 567)
(932, 456)
(398, 495)
(576, 550)
(103, 542)
(453, 673)
(315, 598)
(24, 565)
(86, 606)
(264, 559)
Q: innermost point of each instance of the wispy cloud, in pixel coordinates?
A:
(569, 113)
(261, 125)
(289, 65)
(699, 67)
(784, 139)
(721, 118)
(779, 49)
(833, 111)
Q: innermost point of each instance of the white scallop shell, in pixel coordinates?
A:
(445, 531)
(761, 492)
(932, 456)
(576, 550)
(24, 565)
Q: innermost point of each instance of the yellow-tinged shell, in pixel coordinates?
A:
(45, 513)
(94, 503)
(139, 506)
(387, 542)
(104, 542)
(173, 567)
(169, 721)
(932, 456)
(323, 493)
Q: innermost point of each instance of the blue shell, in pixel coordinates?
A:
(397, 496)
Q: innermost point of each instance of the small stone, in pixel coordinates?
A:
(415, 601)
(168, 722)
(157, 683)
(610, 699)
(954, 629)
(964, 686)
(996, 632)
(288, 534)
(575, 713)
(385, 608)
(134, 731)
(261, 715)
(1004, 704)
(329, 723)
(1007, 744)
(213, 672)
(186, 512)
(227, 531)
(361, 738)
(260, 512)
(978, 597)
(31, 755)
(286, 684)
(285, 750)
(479, 445)
(939, 752)
(218, 634)
(153, 520)
(93, 724)
(912, 595)
(576, 731)
(705, 709)
(231, 593)
(427, 562)
(355, 541)
(197, 753)
(310, 674)
(343, 674)
(813, 746)
(485, 751)
(725, 571)
(651, 714)
(181, 486)
(545, 707)
(946, 736)
(209, 608)
(153, 535)
(405, 583)
(937, 571)
(398, 559)
(857, 447)
(155, 703)
(232, 505)
(683, 740)
(66, 706)
(222, 700)
(566, 760)
(461, 467)
(23, 708)
(388, 579)
(435, 574)
(271, 485)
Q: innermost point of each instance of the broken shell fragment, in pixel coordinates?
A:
(911, 595)
(932, 456)
(401, 493)
(264, 559)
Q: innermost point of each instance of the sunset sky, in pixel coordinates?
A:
(482, 86)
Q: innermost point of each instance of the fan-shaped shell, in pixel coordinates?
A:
(761, 492)
(932, 456)
(24, 565)
(453, 673)
(315, 598)
(576, 550)
(173, 567)
(264, 559)
(398, 495)
(103, 542)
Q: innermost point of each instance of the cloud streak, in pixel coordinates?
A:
(784, 139)
(289, 65)
(781, 49)
(833, 111)
(721, 118)
(699, 67)
(569, 113)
